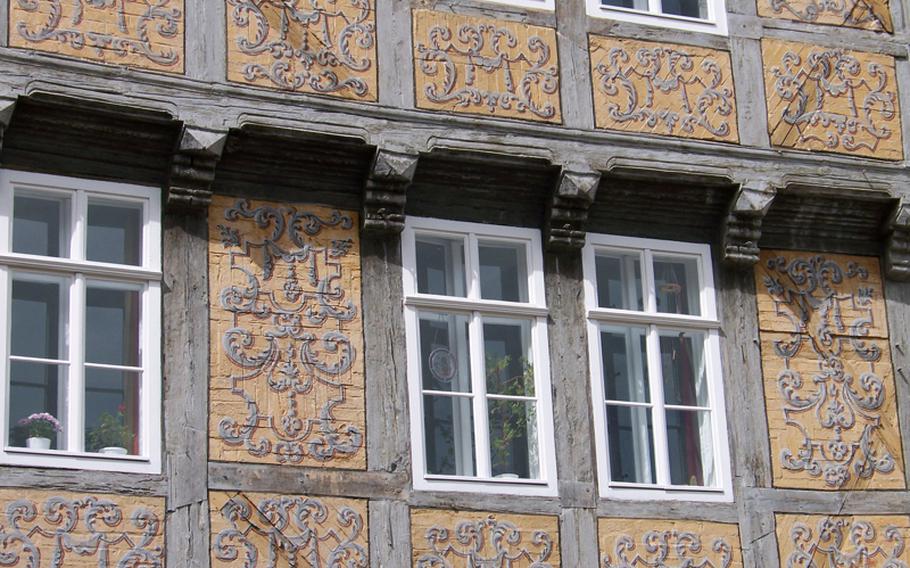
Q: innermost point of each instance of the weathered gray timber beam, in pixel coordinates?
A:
(578, 537)
(768, 500)
(390, 534)
(90, 481)
(717, 512)
(897, 303)
(193, 168)
(385, 190)
(495, 503)
(568, 209)
(7, 107)
(741, 230)
(897, 243)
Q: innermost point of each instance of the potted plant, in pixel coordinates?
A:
(40, 428)
(508, 418)
(111, 436)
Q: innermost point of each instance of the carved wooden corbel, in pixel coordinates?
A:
(193, 168)
(897, 245)
(7, 107)
(568, 212)
(742, 228)
(385, 190)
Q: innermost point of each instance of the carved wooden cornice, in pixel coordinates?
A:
(742, 227)
(7, 107)
(568, 211)
(385, 190)
(897, 244)
(193, 168)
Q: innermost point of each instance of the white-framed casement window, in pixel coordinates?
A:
(478, 367)
(707, 16)
(80, 324)
(654, 348)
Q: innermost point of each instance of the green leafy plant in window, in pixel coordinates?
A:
(508, 418)
(111, 431)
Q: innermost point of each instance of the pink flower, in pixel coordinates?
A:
(121, 408)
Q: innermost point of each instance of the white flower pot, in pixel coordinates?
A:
(507, 476)
(113, 451)
(38, 443)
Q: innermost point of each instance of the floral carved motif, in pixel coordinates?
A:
(667, 89)
(316, 46)
(832, 100)
(254, 530)
(483, 66)
(843, 541)
(446, 539)
(828, 379)
(139, 33)
(287, 370)
(39, 528)
(645, 543)
(864, 14)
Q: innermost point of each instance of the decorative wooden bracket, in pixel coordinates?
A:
(897, 244)
(7, 107)
(193, 168)
(386, 189)
(568, 212)
(742, 228)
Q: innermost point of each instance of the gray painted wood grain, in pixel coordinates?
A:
(390, 534)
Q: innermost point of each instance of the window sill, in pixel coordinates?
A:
(646, 492)
(684, 23)
(500, 486)
(54, 459)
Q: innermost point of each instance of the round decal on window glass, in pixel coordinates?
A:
(442, 364)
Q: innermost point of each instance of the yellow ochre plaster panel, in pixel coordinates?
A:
(840, 541)
(661, 88)
(476, 65)
(80, 530)
(135, 33)
(325, 48)
(287, 530)
(828, 379)
(287, 381)
(643, 543)
(832, 100)
(470, 538)
(863, 14)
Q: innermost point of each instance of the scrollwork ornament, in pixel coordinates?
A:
(324, 47)
(137, 25)
(486, 542)
(669, 549)
(845, 541)
(864, 14)
(288, 348)
(836, 408)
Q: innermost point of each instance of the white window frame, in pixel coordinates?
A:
(533, 4)
(474, 307)
(650, 318)
(715, 23)
(79, 271)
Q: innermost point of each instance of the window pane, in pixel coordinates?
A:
(682, 356)
(112, 325)
(36, 388)
(38, 317)
(676, 280)
(114, 233)
(503, 272)
(689, 8)
(440, 266)
(619, 281)
(625, 363)
(111, 410)
(691, 451)
(444, 352)
(513, 438)
(449, 435)
(631, 443)
(507, 353)
(41, 225)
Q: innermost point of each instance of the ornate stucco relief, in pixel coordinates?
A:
(326, 48)
(138, 33)
(864, 14)
(645, 543)
(832, 100)
(51, 528)
(461, 538)
(259, 530)
(483, 66)
(829, 385)
(660, 88)
(287, 383)
(825, 541)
